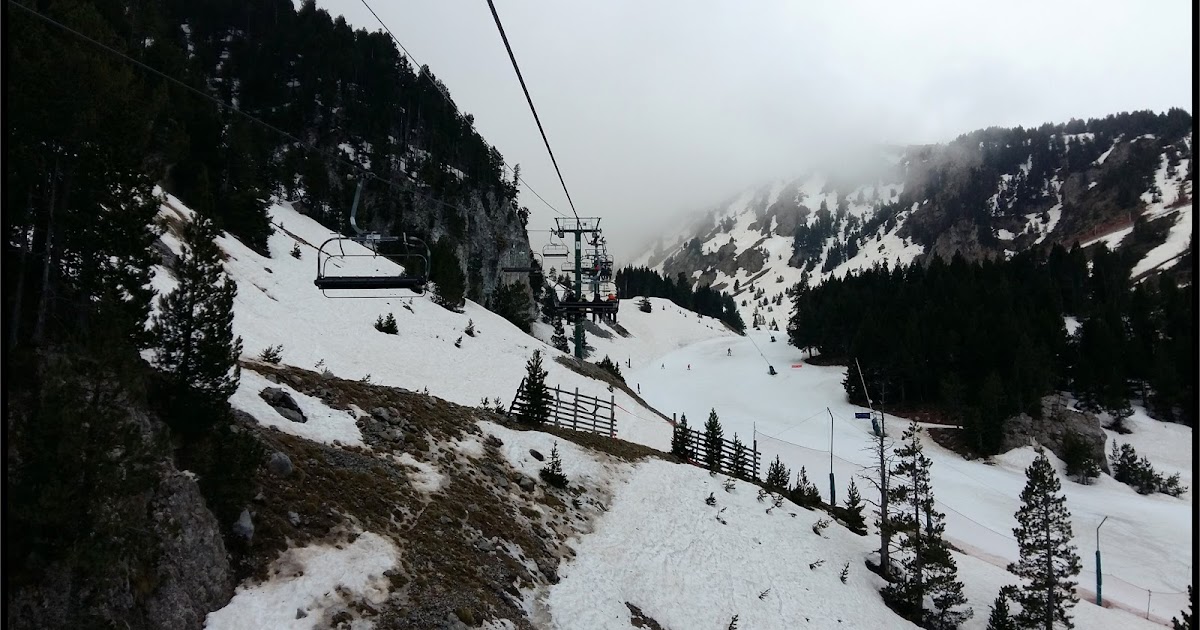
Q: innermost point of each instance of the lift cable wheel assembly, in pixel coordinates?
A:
(332, 255)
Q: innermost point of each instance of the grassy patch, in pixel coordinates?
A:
(463, 546)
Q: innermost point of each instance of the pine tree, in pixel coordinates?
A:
(1048, 561)
(610, 366)
(193, 330)
(1000, 618)
(804, 493)
(679, 439)
(1186, 623)
(778, 476)
(713, 434)
(738, 465)
(537, 395)
(449, 283)
(926, 568)
(559, 339)
(552, 472)
(853, 511)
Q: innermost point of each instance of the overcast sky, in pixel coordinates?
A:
(654, 106)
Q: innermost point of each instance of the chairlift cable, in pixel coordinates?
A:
(442, 90)
(529, 100)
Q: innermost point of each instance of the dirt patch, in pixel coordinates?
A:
(468, 548)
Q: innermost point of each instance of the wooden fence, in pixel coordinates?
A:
(572, 410)
(698, 450)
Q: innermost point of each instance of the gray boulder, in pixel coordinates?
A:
(283, 403)
(244, 526)
(280, 464)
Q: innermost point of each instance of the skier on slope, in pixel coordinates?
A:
(689, 367)
(728, 352)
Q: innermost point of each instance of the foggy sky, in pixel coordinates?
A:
(653, 107)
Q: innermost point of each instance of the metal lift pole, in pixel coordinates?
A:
(579, 292)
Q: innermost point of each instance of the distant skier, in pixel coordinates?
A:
(639, 388)
(728, 352)
(663, 366)
(689, 367)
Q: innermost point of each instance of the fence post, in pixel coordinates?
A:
(575, 411)
(756, 454)
(612, 416)
(517, 396)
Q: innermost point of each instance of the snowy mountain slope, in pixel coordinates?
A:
(278, 304)
(1001, 197)
(662, 549)
(664, 329)
(788, 415)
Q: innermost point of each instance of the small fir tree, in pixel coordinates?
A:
(387, 325)
(804, 493)
(738, 464)
(679, 440)
(559, 338)
(1048, 561)
(608, 365)
(193, 335)
(271, 354)
(713, 434)
(852, 513)
(537, 396)
(1001, 618)
(778, 476)
(552, 472)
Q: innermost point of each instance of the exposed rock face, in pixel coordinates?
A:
(193, 571)
(129, 541)
(961, 238)
(1058, 421)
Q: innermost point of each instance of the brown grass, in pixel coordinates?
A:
(444, 571)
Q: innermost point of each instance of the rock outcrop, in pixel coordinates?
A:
(1058, 421)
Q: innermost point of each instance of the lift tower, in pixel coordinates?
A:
(579, 227)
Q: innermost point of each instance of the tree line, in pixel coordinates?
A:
(702, 299)
(987, 340)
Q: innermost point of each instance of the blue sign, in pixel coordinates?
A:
(862, 415)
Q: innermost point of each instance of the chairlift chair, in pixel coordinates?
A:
(555, 250)
(332, 253)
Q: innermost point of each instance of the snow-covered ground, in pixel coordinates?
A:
(659, 546)
(308, 582)
(277, 303)
(1150, 535)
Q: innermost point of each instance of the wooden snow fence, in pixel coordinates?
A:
(697, 447)
(572, 410)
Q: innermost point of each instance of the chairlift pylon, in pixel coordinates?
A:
(332, 253)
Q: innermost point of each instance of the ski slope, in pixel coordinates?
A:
(1149, 536)
(659, 546)
(278, 304)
